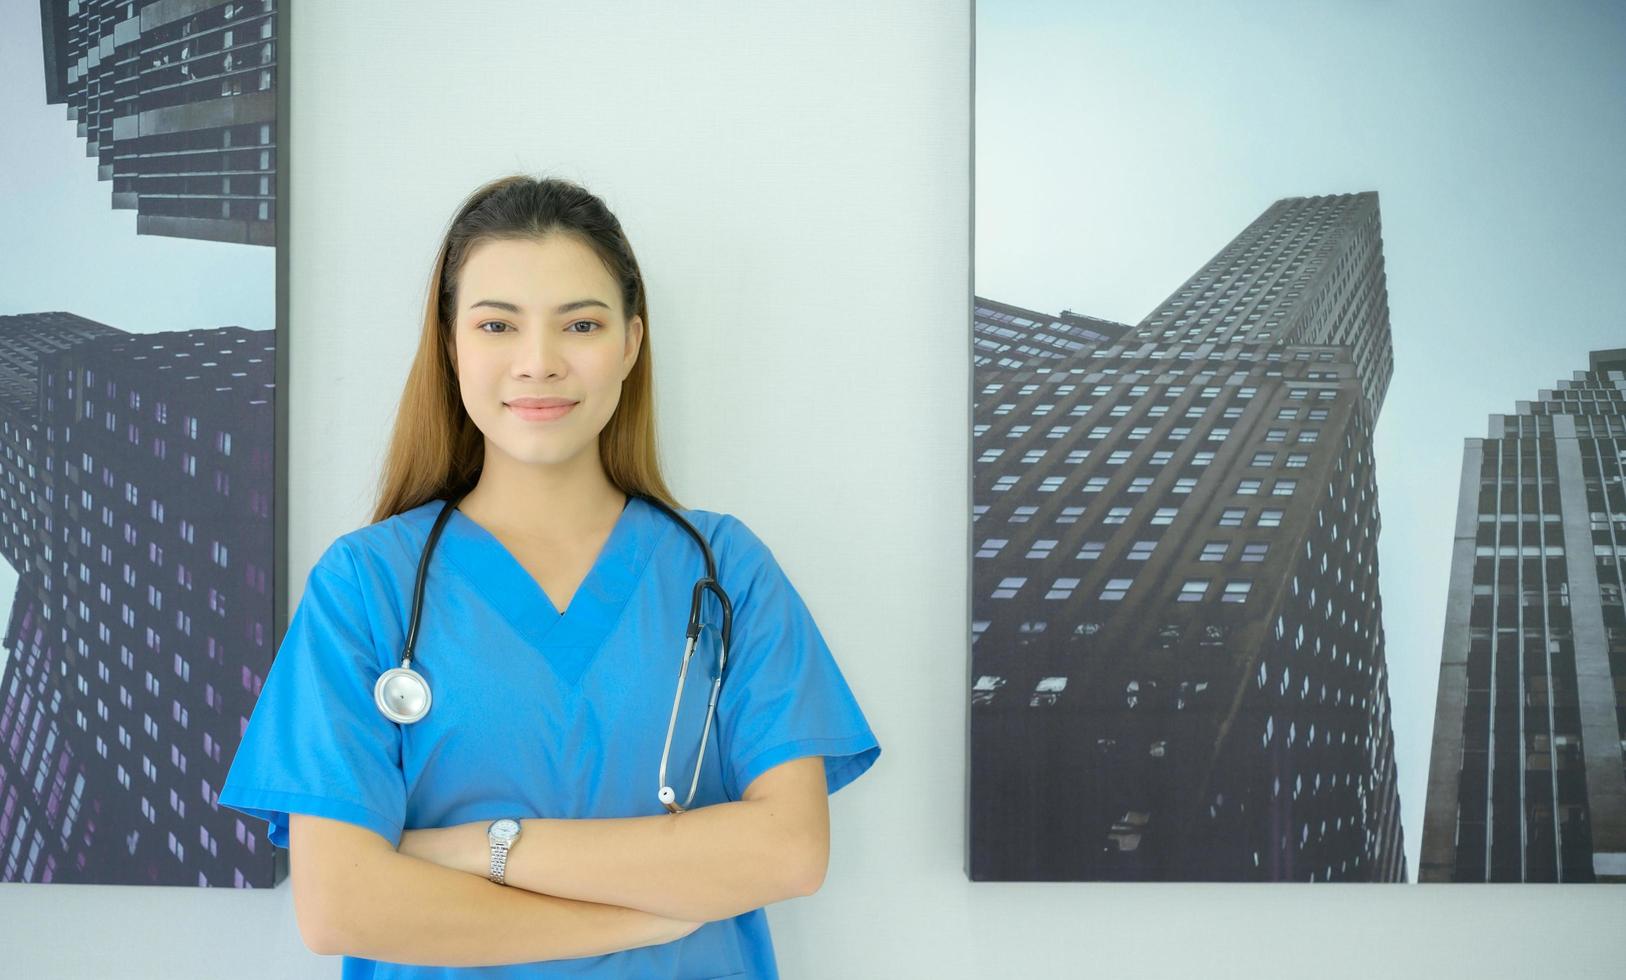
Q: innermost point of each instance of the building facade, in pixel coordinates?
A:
(1177, 663)
(137, 489)
(176, 100)
(1527, 779)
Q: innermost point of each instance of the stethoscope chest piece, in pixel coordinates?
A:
(402, 694)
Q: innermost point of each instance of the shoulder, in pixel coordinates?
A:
(375, 551)
(732, 541)
(746, 565)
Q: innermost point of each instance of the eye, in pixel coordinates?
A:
(482, 326)
(590, 323)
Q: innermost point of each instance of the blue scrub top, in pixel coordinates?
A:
(537, 713)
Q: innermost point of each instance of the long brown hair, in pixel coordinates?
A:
(436, 450)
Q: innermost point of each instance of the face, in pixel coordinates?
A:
(540, 322)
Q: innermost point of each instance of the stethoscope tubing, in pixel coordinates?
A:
(403, 695)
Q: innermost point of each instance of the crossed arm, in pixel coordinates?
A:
(700, 865)
(616, 883)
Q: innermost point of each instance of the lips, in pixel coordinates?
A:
(541, 409)
(549, 402)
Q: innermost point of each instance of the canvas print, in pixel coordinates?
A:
(140, 479)
(1296, 537)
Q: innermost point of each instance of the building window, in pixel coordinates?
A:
(1270, 518)
(1287, 414)
(1008, 587)
(1263, 459)
(1232, 516)
(1202, 457)
(1276, 435)
(1069, 515)
(1141, 550)
(1185, 484)
(1255, 550)
(1063, 589)
(1193, 590)
(1051, 483)
(1118, 457)
(1248, 486)
(1115, 589)
(1116, 515)
(1237, 591)
(1091, 550)
(1165, 515)
(1284, 488)
(1095, 484)
(1042, 548)
(1298, 459)
(1214, 551)
(991, 547)
(1308, 435)
(1021, 514)
(1005, 483)
(1218, 433)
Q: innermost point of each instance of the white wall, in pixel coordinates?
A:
(796, 179)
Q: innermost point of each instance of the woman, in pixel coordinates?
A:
(553, 626)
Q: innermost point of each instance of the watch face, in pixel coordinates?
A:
(505, 829)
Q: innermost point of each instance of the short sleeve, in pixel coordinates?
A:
(316, 742)
(783, 695)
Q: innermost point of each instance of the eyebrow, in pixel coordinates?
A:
(561, 308)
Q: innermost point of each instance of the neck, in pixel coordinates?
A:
(553, 503)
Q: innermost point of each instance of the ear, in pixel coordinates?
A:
(635, 344)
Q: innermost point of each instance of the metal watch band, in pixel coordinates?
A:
(499, 862)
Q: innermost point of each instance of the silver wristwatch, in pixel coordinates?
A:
(502, 834)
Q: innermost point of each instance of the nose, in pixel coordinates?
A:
(540, 355)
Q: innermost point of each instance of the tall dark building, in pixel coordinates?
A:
(1527, 781)
(136, 493)
(1177, 644)
(177, 101)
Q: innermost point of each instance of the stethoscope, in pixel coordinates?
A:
(403, 696)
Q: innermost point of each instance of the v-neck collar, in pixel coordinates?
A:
(569, 638)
